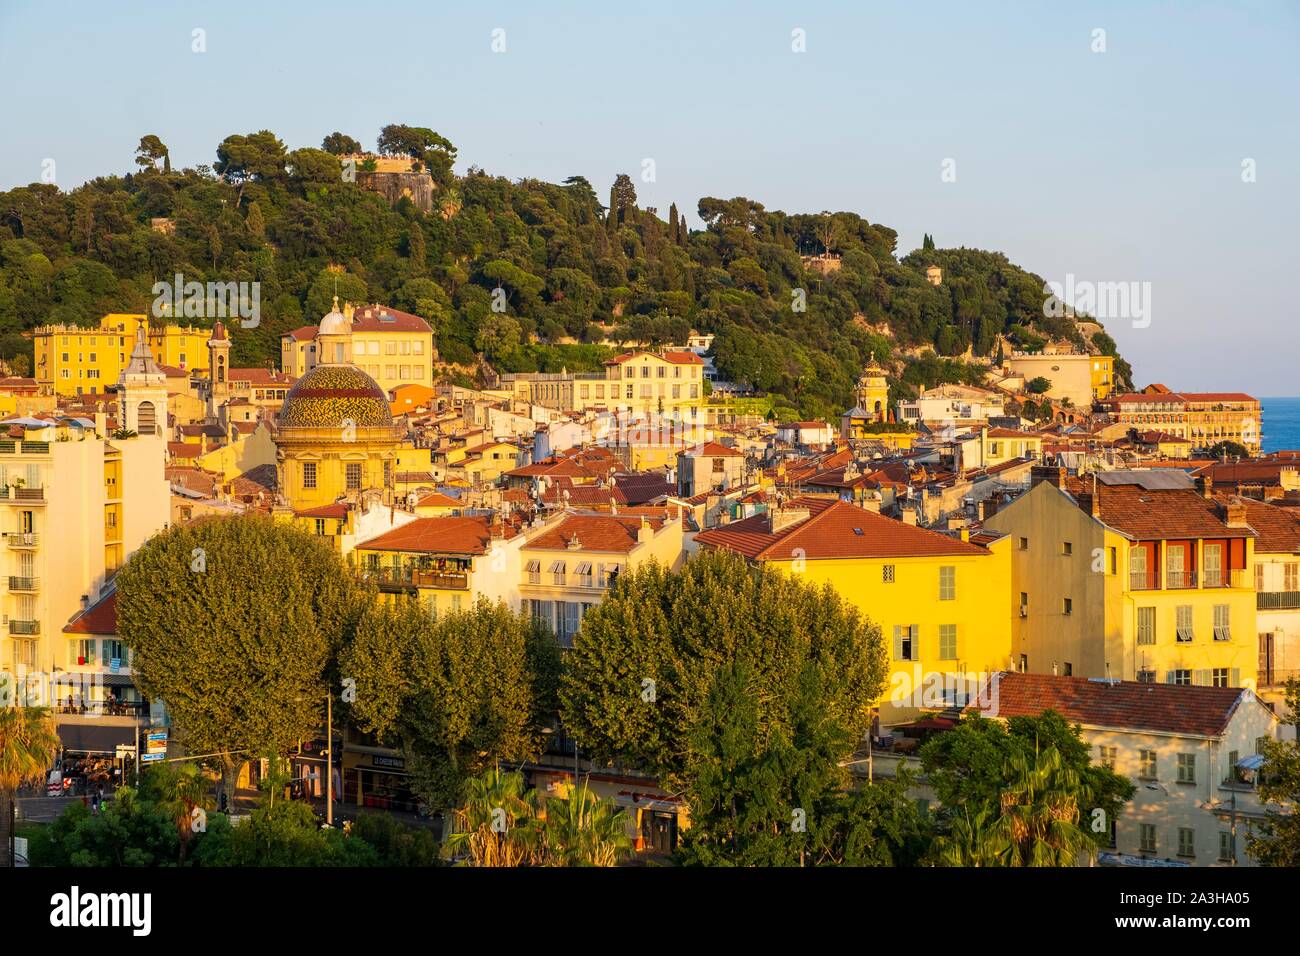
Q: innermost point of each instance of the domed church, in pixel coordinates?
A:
(335, 436)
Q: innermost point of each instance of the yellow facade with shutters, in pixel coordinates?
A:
(1092, 601)
(943, 618)
(70, 360)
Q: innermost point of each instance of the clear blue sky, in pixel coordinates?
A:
(1115, 166)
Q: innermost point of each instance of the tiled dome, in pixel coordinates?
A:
(329, 395)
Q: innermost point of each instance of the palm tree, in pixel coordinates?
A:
(583, 830)
(29, 742)
(1040, 811)
(497, 823)
(973, 840)
(183, 789)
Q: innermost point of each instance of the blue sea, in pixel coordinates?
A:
(1281, 423)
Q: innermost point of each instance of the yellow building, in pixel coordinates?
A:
(394, 348)
(73, 508)
(71, 360)
(446, 563)
(1135, 577)
(1203, 418)
(1077, 377)
(645, 383)
(871, 403)
(335, 437)
(940, 601)
(996, 446)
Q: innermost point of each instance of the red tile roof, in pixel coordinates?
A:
(1278, 528)
(261, 376)
(677, 358)
(441, 535)
(594, 532)
(99, 618)
(382, 318)
(835, 529)
(1165, 708)
(337, 510)
(1158, 514)
(711, 449)
(436, 499)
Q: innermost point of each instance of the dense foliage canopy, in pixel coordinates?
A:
(571, 272)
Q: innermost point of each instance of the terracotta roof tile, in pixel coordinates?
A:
(99, 618)
(441, 535)
(595, 532)
(833, 530)
(1165, 708)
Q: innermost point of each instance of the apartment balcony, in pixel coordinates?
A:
(10, 447)
(1277, 600)
(24, 584)
(22, 539)
(24, 628)
(1234, 578)
(404, 579)
(1180, 580)
(23, 495)
(1143, 581)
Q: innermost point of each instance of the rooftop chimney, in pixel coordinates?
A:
(1234, 513)
(783, 516)
(1205, 485)
(1049, 473)
(1090, 501)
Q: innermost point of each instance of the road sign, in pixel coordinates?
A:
(155, 746)
(124, 751)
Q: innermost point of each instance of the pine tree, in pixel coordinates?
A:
(255, 222)
(672, 221)
(416, 249)
(611, 215)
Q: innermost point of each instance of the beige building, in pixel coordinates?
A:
(1076, 376)
(394, 348)
(1187, 750)
(71, 512)
(571, 561)
(1204, 418)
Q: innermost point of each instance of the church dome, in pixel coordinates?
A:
(329, 395)
(334, 322)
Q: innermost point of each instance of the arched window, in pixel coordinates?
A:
(146, 419)
(221, 368)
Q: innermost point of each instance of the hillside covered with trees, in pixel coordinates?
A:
(575, 271)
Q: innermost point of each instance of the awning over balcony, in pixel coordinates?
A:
(93, 739)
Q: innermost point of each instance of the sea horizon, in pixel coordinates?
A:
(1281, 422)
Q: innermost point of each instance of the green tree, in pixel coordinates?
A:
(641, 679)
(1276, 840)
(234, 622)
(28, 745)
(242, 159)
(583, 830)
(497, 823)
(182, 790)
(150, 151)
(981, 762)
(973, 838)
(340, 144)
(1038, 385)
(460, 693)
(1228, 449)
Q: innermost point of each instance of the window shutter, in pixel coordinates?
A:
(1201, 678)
(1235, 677)
(1169, 677)
(898, 642)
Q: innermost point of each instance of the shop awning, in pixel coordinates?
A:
(94, 739)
